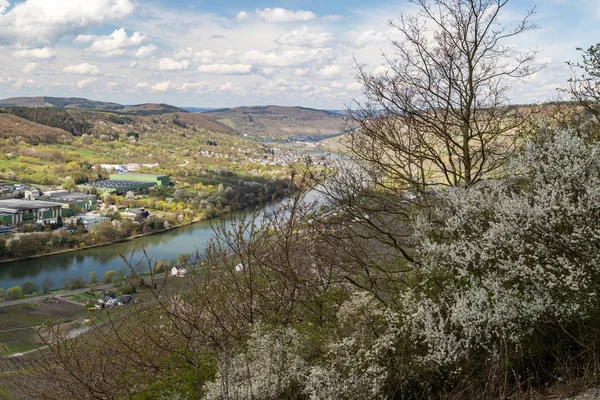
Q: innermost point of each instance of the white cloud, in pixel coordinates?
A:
(288, 58)
(15, 82)
(44, 22)
(82, 69)
(22, 82)
(283, 15)
(169, 64)
(34, 54)
(30, 67)
(330, 72)
(225, 69)
(186, 52)
(354, 86)
(115, 44)
(372, 36)
(267, 71)
(242, 16)
(142, 85)
(333, 18)
(161, 86)
(195, 86)
(305, 38)
(145, 51)
(84, 38)
(230, 56)
(382, 69)
(85, 82)
(4, 4)
(227, 87)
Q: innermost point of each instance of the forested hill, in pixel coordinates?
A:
(85, 104)
(279, 122)
(50, 124)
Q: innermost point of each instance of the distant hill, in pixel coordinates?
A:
(85, 104)
(12, 126)
(51, 125)
(198, 109)
(278, 122)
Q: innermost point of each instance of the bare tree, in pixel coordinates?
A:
(440, 113)
(584, 89)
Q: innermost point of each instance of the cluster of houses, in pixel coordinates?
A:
(109, 300)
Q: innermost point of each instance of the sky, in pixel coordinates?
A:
(207, 53)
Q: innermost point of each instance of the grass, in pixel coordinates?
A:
(82, 297)
(17, 323)
(227, 122)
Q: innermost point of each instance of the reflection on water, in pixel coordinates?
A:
(166, 245)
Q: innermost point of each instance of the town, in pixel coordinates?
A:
(60, 207)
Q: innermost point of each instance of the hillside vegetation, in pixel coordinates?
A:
(275, 122)
(36, 150)
(85, 104)
(19, 129)
(456, 256)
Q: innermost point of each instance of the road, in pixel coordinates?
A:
(54, 294)
(70, 292)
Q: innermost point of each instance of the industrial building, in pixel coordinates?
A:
(72, 203)
(116, 186)
(18, 211)
(88, 221)
(159, 180)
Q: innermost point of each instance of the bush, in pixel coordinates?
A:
(47, 284)
(14, 293)
(108, 276)
(29, 287)
(128, 290)
(117, 281)
(93, 277)
(77, 283)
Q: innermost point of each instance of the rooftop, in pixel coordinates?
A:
(116, 184)
(67, 197)
(21, 205)
(148, 175)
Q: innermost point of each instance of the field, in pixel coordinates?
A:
(18, 323)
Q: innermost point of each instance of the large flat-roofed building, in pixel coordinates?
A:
(72, 203)
(159, 180)
(18, 211)
(116, 186)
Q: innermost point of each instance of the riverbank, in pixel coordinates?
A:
(93, 246)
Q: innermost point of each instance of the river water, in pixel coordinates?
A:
(165, 245)
(160, 246)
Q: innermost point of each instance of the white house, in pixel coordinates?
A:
(178, 271)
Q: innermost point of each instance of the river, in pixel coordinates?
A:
(160, 246)
(165, 245)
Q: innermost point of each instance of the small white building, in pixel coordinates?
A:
(58, 192)
(31, 194)
(178, 271)
(89, 221)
